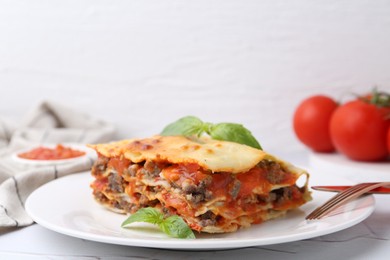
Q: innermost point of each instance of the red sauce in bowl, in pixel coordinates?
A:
(60, 152)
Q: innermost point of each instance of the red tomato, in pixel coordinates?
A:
(359, 130)
(311, 122)
(388, 140)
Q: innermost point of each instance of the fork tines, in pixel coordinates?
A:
(344, 197)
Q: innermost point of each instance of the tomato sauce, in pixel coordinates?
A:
(182, 172)
(58, 153)
(119, 164)
(178, 204)
(255, 178)
(220, 184)
(99, 184)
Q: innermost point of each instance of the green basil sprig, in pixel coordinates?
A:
(193, 126)
(173, 226)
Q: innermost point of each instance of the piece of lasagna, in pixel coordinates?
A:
(215, 186)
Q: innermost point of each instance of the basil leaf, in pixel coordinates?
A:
(234, 133)
(149, 215)
(191, 125)
(187, 126)
(176, 227)
(173, 226)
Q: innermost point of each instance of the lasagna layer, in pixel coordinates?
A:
(215, 186)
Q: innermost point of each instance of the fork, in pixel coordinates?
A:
(343, 197)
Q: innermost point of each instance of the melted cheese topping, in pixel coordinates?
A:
(217, 156)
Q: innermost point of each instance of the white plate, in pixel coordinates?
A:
(29, 162)
(67, 206)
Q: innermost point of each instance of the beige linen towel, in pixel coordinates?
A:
(49, 123)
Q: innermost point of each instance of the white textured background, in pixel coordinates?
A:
(142, 64)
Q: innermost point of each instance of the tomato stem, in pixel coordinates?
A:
(377, 98)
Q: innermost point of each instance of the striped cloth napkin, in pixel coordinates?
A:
(48, 123)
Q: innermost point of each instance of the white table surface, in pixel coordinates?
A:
(369, 239)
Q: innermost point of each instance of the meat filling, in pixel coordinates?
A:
(129, 183)
(275, 172)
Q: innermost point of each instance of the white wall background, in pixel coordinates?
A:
(142, 64)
